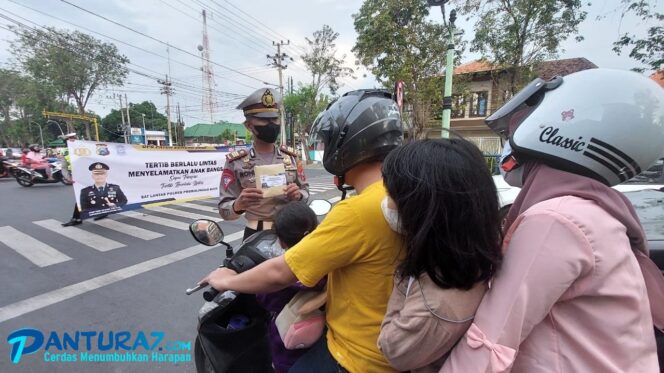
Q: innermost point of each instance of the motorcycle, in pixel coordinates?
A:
(28, 177)
(10, 166)
(232, 327)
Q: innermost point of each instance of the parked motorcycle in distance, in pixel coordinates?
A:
(232, 327)
(28, 177)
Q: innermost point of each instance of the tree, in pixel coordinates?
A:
(12, 85)
(517, 34)
(305, 104)
(74, 63)
(22, 100)
(226, 135)
(112, 123)
(395, 42)
(321, 60)
(648, 50)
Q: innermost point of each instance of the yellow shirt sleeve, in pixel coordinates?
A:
(333, 244)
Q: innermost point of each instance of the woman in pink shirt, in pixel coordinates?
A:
(576, 291)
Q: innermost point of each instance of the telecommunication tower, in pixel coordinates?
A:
(209, 103)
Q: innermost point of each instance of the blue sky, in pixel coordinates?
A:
(241, 34)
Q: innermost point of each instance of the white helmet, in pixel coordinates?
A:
(601, 123)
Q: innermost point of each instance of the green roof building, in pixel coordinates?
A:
(204, 133)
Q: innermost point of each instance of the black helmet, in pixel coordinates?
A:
(360, 126)
(256, 249)
(34, 147)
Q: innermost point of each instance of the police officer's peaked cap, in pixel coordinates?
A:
(263, 103)
(98, 167)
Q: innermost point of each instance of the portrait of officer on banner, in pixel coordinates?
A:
(101, 195)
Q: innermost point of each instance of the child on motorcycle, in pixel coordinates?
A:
(291, 224)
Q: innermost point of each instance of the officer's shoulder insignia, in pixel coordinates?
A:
(235, 155)
(288, 150)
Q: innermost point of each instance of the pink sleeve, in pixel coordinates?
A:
(545, 255)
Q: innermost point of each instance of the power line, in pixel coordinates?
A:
(270, 32)
(114, 39)
(155, 39)
(235, 96)
(214, 28)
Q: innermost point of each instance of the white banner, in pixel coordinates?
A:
(113, 177)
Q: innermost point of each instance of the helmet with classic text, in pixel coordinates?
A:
(360, 126)
(601, 123)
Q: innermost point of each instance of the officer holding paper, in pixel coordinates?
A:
(240, 190)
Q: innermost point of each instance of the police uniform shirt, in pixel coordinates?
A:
(94, 197)
(239, 174)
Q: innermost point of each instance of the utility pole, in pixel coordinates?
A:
(291, 117)
(449, 68)
(177, 129)
(278, 62)
(128, 130)
(168, 91)
(124, 127)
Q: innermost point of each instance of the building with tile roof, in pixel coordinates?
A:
(481, 88)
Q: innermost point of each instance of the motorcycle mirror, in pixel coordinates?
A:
(206, 232)
(320, 206)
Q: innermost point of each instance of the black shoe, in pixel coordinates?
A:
(72, 222)
(100, 217)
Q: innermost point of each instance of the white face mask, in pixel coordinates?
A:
(514, 177)
(391, 216)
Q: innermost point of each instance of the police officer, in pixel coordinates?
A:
(101, 195)
(238, 190)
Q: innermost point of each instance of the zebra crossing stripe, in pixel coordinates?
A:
(39, 253)
(184, 214)
(129, 229)
(195, 206)
(156, 220)
(40, 301)
(324, 186)
(212, 202)
(95, 241)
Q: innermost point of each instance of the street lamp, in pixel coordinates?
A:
(447, 94)
(145, 135)
(57, 124)
(41, 135)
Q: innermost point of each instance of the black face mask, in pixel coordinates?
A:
(268, 132)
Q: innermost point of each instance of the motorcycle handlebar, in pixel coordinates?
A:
(210, 293)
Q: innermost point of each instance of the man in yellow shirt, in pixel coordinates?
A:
(354, 246)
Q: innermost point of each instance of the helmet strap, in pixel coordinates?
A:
(510, 163)
(339, 182)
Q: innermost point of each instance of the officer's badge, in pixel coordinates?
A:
(268, 99)
(227, 178)
(102, 149)
(82, 152)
